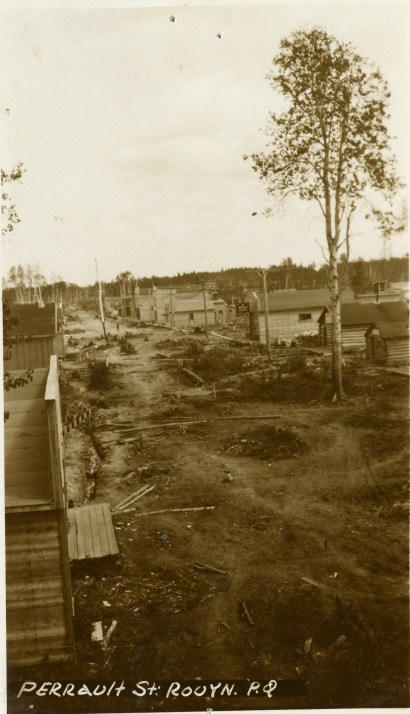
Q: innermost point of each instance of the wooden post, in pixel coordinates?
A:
(101, 302)
(52, 400)
(172, 307)
(149, 306)
(205, 311)
(263, 274)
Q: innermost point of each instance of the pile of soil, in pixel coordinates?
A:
(265, 442)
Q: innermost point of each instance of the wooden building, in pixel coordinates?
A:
(38, 586)
(356, 318)
(43, 326)
(388, 343)
(290, 312)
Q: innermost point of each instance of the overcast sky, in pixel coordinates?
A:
(132, 129)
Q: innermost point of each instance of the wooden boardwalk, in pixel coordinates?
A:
(91, 532)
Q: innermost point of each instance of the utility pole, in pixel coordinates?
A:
(100, 301)
(263, 275)
(172, 306)
(149, 305)
(205, 310)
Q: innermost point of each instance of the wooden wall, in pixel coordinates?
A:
(38, 600)
(36, 353)
(397, 350)
(286, 324)
(38, 587)
(354, 337)
(26, 444)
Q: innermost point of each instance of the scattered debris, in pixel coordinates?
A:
(175, 510)
(97, 633)
(265, 442)
(108, 635)
(132, 497)
(210, 568)
(192, 375)
(247, 614)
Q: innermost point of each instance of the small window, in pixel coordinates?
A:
(191, 316)
(304, 316)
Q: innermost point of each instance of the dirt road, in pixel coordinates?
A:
(297, 571)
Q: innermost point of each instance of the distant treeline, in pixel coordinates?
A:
(24, 284)
(232, 282)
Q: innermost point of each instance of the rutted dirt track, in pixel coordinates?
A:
(308, 526)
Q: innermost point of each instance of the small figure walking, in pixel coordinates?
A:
(118, 325)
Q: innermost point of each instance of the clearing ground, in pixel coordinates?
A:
(296, 568)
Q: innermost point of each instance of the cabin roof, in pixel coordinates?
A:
(391, 330)
(372, 313)
(300, 299)
(35, 321)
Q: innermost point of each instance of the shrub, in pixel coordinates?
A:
(99, 376)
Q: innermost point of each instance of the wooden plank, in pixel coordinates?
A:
(55, 631)
(25, 442)
(47, 610)
(31, 603)
(72, 534)
(105, 546)
(55, 460)
(24, 454)
(52, 380)
(22, 465)
(95, 531)
(32, 556)
(23, 405)
(28, 430)
(44, 568)
(110, 529)
(15, 589)
(88, 539)
(22, 532)
(30, 418)
(28, 493)
(57, 655)
(41, 544)
(39, 376)
(80, 534)
(28, 392)
(22, 478)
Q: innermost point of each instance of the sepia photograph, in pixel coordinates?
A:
(205, 296)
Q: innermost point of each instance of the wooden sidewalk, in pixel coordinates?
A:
(90, 532)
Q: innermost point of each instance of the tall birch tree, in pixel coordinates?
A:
(331, 146)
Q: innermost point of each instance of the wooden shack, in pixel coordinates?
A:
(290, 312)
(356, 318)
(388, 343)
(38, 585)
(43, 328)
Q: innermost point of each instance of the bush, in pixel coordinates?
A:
(218, 363)
(295, 364)
(99, 376)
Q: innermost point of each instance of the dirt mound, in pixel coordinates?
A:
(265, 442)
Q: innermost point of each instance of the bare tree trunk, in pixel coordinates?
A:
(265, 294)
(336, 325)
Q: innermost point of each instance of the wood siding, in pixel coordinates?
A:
(38, 599)
(389, 351)
(397, 350)
(286, 324)
(352, 337)
(27, 462)
(39, 602)
(36, 353)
